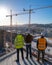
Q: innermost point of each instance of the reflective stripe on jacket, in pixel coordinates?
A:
(19, 41)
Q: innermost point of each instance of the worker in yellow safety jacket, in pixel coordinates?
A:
(19, 43)
(41, 46)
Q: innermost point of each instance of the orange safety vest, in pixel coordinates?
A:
(42, 44)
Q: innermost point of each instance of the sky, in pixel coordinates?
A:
(40, 16)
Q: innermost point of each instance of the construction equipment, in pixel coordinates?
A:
(11, 15)
(30, 11)
(11, 22)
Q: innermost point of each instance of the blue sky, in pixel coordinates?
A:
(41, 16)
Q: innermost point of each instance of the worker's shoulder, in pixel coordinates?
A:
(42, 39)
(18, 35)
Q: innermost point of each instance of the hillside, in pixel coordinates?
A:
(34, 28)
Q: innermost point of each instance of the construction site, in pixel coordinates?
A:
(8, 33)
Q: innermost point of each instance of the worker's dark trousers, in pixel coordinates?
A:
(43, 52)
(21, 49)
(28, 49)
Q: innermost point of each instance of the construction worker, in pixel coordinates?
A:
(28, 41)
(19, 43)
(41, 46)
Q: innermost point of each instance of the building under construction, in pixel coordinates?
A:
(5, 38)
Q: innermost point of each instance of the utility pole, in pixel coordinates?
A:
(11, 15)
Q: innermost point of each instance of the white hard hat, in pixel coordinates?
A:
(42, 34)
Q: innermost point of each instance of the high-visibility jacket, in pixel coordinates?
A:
(19, 41)
(41, 44)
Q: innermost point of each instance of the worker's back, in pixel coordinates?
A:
(41, 44)
(19, 41)
(28, 38)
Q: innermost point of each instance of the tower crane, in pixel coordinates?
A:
(30, 11)
(11, 15)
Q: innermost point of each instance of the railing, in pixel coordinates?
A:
(7, 55)
(34, 53)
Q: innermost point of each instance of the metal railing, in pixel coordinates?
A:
(34, 53)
